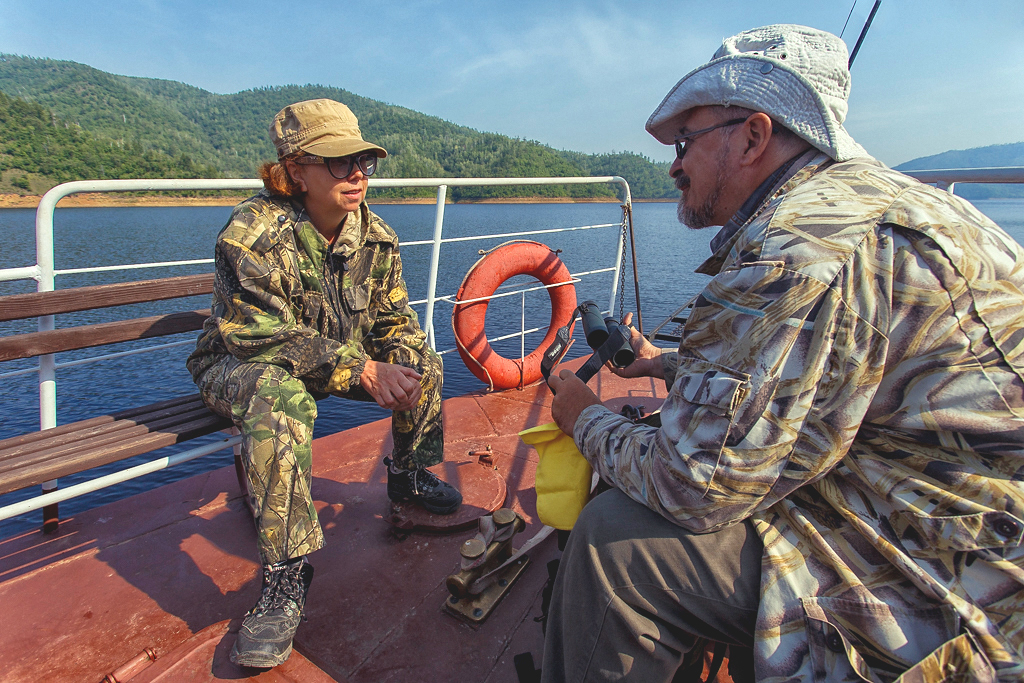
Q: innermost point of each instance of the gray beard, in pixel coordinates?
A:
(703, 215)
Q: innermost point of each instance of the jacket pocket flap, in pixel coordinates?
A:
(712, 386)
(357, 298)
(311, 304)
(875, 639)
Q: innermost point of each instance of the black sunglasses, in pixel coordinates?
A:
(342, 167)
(683, 139)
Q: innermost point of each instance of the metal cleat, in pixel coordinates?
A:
(488, 568)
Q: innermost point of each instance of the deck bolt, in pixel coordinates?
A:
(454, 600)
(478, 612)
(502, 583)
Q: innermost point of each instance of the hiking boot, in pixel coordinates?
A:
(265, 639)
(420, 486)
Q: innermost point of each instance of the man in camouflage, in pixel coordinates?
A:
(837, 478)
(308, 301)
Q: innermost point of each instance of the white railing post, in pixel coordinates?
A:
(45, 283)
(435, 258)
(47, 363)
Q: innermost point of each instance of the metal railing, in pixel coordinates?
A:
(44, 273)
(946, 178)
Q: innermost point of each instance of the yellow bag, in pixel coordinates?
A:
(563, 475)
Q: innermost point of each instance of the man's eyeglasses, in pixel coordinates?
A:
(342, 167)
(682, 140)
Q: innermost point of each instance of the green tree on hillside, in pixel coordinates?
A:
(169, 120)
(36, 141)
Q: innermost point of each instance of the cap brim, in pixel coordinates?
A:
(341, 147)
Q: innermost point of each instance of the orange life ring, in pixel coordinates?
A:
(520, 257)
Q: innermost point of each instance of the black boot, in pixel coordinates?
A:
(265, 639)
(420, 486)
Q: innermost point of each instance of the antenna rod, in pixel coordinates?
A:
(863, 33)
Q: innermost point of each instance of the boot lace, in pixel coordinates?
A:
(424, 481)
(283, 590)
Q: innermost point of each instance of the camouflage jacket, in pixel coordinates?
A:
(283, 295)
(852, 381)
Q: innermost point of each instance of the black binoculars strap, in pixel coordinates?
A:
(556, 352)
(601, 355)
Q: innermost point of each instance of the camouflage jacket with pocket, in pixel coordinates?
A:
(852, 381)
(283, 295)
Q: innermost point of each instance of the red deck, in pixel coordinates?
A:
(174, 569)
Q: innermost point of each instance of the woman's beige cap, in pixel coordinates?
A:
(322, 127)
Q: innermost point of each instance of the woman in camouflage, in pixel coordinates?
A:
(309, 300)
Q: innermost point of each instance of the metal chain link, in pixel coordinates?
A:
(622, 268)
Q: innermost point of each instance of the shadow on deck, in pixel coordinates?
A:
(175, 568)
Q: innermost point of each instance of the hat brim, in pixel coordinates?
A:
(341, 147)
(739, 80)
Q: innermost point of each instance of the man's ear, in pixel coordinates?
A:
(757, 132)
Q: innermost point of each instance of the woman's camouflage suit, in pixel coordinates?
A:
(294, 319)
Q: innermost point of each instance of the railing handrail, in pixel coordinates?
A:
(992, 174)
(44, 274)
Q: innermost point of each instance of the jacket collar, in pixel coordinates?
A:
(782, 180)
(371, 230)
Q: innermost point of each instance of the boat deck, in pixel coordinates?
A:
(174, 569)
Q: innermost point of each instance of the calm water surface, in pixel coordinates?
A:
(667, 254)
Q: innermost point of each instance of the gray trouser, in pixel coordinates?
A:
(634, 591)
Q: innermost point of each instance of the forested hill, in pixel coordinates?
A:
(978, 157)
(183, 130)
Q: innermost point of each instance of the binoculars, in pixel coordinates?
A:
(598, 330)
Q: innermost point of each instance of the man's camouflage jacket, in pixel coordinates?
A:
(852, 381)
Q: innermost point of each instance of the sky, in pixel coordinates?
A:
(932, 75)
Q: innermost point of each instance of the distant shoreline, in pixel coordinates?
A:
(102, 199)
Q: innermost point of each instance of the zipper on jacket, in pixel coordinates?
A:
(334, 297)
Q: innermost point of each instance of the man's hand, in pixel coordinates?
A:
(648, 356)
(394, 387)
(572, 396)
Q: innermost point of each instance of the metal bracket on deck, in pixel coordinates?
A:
(476, 608)
(488, 567)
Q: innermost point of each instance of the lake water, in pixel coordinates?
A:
(667, 254)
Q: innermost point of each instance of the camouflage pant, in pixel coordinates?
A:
(275, 413)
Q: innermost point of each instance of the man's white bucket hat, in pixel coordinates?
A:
(795, 74)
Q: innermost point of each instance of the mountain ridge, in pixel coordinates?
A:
(229, 132)
(177, 128)
(1009, 154)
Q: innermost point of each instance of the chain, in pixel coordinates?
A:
(622, 268)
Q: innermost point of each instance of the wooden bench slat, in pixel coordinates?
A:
(108, 432)
(83, 460)
(21, 306)
(32, 437)
(11, 466)
(86, 336)
(153, 421)
(72, 427)
(155, 407)
(116, 432)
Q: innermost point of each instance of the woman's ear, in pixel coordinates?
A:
(297, 174)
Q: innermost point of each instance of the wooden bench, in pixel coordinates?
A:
(42, 456)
